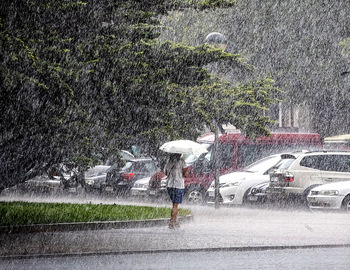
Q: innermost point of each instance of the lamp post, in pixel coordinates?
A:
(346, 78)
(218, 41)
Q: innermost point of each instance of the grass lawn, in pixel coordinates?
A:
(24, 213)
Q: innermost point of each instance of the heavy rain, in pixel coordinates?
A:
(90, 93)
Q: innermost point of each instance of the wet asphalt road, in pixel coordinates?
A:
(227, 228)
(289, 259)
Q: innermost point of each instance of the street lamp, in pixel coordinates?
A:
(218, 41)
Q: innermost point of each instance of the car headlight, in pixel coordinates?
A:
(254, 191)
(328, 192)
(230, 184)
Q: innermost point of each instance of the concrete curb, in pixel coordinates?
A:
(81, 226)
(180, 250)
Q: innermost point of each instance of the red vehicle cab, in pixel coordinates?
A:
(235, 152)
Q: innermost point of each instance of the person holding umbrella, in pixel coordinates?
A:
(175, 186)
(174, 170)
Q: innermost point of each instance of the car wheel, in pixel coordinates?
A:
(245, 197)
(194, 195)
(346, 203)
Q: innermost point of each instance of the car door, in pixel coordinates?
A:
(335, 168)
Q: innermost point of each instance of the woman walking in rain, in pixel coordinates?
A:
(175, 186)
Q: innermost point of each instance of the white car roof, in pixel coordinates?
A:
(335, 186)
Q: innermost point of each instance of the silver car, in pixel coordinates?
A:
(95, 178)
(334, 196)
(140, 187)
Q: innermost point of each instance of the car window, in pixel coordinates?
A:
(313, 162)
(202, 163)
(336, 163)
(248, 153)
(343, 163)
(285, 163)
(225, 155)
(191, 158)
(127, 165)
(262, 165)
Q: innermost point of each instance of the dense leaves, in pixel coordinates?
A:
(80, 80)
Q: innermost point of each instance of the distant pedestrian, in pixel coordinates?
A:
(175, 186)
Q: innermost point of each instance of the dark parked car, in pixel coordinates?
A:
(121, 180)
(95, 178)
(41, 184)
(257, 193)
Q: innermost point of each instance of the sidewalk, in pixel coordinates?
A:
(210, 229)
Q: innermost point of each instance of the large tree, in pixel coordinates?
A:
(80, 80)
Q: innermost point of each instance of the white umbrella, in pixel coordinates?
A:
(183, 147)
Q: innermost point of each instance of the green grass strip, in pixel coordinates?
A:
(25, 213)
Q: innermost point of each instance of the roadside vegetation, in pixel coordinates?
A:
(26, 213)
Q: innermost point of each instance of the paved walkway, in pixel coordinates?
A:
(224, 228)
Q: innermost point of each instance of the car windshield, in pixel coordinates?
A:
(285, 163)
(190, 159)
(127, 165)
(262, 165)
(95, 171)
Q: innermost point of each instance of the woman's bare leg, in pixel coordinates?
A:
(173, 218)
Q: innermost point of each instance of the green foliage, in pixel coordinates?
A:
(25, 213)
(80, 80)
(241, 106)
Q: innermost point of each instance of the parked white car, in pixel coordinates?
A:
(234, 187)
(140, 187)
(306, 171)
(330, 196)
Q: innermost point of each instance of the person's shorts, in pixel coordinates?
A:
(176, 194)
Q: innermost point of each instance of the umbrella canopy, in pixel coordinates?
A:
(183, 147)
